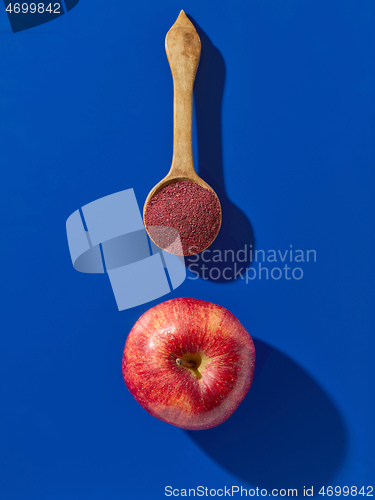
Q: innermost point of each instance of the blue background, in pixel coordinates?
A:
(284, 131)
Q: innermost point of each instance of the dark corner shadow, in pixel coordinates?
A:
(286, 433)
(236, 232)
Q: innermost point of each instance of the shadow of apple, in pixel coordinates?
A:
(286, 433)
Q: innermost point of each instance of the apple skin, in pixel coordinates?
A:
(217, 356)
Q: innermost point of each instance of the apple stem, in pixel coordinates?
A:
(186, 364)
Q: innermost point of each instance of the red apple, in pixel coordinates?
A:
(189, 363)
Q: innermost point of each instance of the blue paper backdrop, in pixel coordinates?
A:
(284, 131)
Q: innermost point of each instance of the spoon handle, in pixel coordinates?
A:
(183, 48)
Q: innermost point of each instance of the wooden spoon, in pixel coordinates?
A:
(183, 48)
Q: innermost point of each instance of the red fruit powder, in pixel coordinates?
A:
(188, 208)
